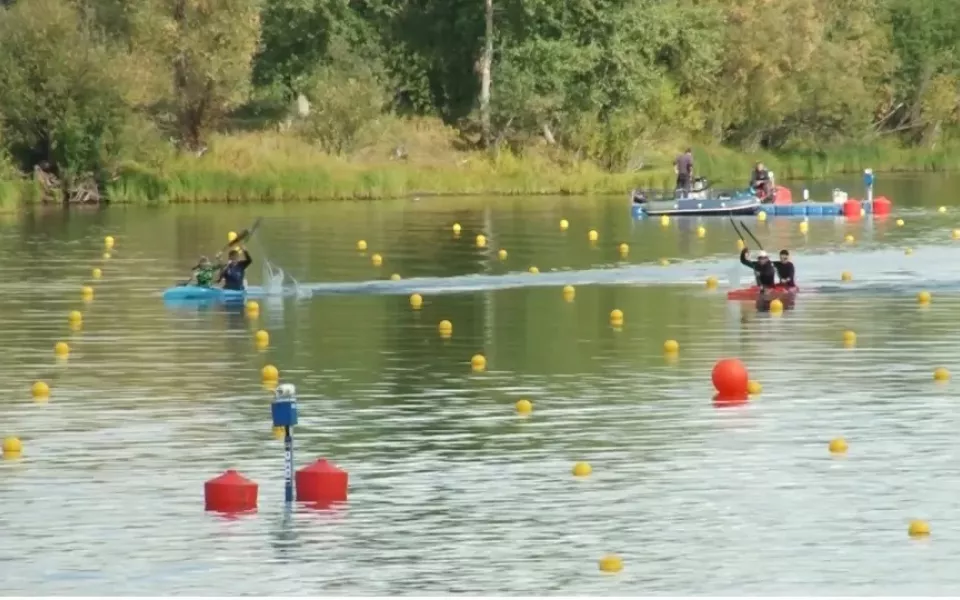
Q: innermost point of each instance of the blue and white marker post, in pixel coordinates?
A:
(868, 182)
(284, 412)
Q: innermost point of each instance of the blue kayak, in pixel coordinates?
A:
(199, 293)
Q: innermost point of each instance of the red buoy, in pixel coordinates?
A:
(782, 195)
(731, 380)
(322, 482)
(230, 493)
(881, 206)
(851, 208)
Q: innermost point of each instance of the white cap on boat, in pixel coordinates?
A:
(762, 254)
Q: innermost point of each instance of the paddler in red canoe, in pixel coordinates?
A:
(785, 270)
(763, 269)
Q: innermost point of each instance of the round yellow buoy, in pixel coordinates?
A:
(269, 373)
(270, 385)
(582, 469)
(97, 273)
(262, 337)
(75, 316)
(481, 241)
(12, 447)
(456, 228)
(776, 306)
(956, 234)
(754, 388)
(395, 277)
(846, 276)
(564, 224)
(524, 407)
(611, 563)
(616, 316)
(671, 346)
(701, 231)
(863, 212)
(534, 270)
(624, 249)
(40, 389)
(711, 282)
(908, 251)
(478, 362)
(502, 254)
(569, 293)
(849, 239)
(362, 245)
(838, 446)
(593, 235)
(61, 349)
(899, 222)
(923, 298)
(231, 235)
(804, 227)
(664, 220)
(416, 301)
(86, 292)
(664, 262)
(849, 337)
(942, 209)
(762, 216)
(918, 528)
(941, 374)
(377, 260)
(279, 432)
(106, 256)
(108, 242)
(740, 245)
(252, 308)
(445, 328)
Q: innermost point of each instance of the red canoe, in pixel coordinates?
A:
(751, 293)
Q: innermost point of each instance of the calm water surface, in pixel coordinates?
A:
(451, 491)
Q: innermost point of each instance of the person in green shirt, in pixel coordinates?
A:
(206, 272)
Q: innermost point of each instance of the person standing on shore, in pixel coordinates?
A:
(683, 167)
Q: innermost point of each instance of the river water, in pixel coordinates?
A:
(451, 491)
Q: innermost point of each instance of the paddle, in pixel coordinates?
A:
(241, 237)
(734, 277)
(750, 233)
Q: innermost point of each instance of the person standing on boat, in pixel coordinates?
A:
(785, 270)
(233, 273)
(760, 182)
(683, 167)
(763, 269)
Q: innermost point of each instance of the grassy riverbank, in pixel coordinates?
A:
(264, 166)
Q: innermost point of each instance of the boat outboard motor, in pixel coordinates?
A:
(639, 197)
(700, 184)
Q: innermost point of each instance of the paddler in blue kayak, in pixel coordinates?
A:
(763, 268)
(205, 272)
(232, 273)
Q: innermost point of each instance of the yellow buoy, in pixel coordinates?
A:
(624, 249)
(664, 262)
(269, 373)
(377, 260)
(40, 389)
(456, 229)
(279, 432)
(899, 222)
(923, 298)
(616, 316)
(252, 309)
(231, 235)
(918, 528)
(97, 273)
(478, 362)
(416, 301)
(564, 224)
(846, 276)
(262, 337)
(849, 337)
(838, 446)
(776, 306)
(956, 234)
(740, 245)
(593, 235)
(762, 216)
(941, 374)
(908, 251)
(86, 292)
(754, 388)
(942, 209)
(582, 469)
(106, 256)
(270, 385)
(701, 231)
(569, 293)
(395, 277)
(12, 447)
(362, 245)
(481, 241)
(664, 220)
(863, 212)
(849, 239)
(804, 227)
(502, 254)
(671, 346)
(534, 270)
(711, 282)
(611, 563)
(524, 407)
(445, 328)
(108, 242)
(75, 316)
(61, 349)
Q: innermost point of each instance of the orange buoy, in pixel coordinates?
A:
(881, 206)
(851, 208)
(230, 493)
(731, 380)
(321, 482)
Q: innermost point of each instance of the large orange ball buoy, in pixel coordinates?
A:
(731, 380)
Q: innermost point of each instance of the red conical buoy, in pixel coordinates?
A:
(851, 208)
(322, 482)
(731, 380)
(230, 493)
(881, 206)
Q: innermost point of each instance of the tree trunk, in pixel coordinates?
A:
(486, 64)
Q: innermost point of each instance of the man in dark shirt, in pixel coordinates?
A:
(785, 270)
(763, 269)
(233, 272)
(684, 169)
(760, 181)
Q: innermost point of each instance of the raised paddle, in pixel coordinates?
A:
(241, 237)
(750, 233)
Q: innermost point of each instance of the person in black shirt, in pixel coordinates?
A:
(785, 270)
(763, 269)
(760, 181)
(684, 169)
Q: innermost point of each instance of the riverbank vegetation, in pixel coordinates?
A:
(190, 100)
